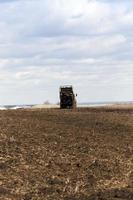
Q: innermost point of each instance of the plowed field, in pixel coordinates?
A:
(53, 154)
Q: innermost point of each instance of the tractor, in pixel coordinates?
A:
(67, 97)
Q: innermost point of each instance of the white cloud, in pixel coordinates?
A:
(44, 44)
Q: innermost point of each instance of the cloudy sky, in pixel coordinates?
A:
(48, 43)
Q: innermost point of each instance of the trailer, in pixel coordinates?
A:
(67, 97)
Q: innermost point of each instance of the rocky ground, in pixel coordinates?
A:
(53, 154)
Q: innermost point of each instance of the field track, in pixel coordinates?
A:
(52, 154)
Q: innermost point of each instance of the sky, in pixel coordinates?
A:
(48, 43)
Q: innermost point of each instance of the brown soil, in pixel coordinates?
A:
(84, 154)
